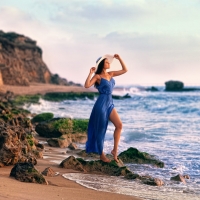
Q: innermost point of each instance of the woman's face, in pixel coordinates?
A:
(106, 64)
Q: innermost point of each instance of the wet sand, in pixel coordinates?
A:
(58, 187)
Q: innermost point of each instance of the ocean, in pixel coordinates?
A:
(164, 124)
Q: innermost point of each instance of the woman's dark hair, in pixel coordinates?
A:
(99, 70)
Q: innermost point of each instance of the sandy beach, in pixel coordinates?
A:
(58, 187)
(40, 88)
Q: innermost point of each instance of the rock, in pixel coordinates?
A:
(22, 60)
(58, 142)
(26, 172)
(97, 166)
(174, 85)
(186, 176)
(179, 178)
(152, 181)
(72, 163)
(89, 155)
(72, 146)
(60, 96)
(56, 79)
(48, 172)
(42, 117)
(131, 176)
(152, 89)
(73, 129)
(132, 155)
(17, 143)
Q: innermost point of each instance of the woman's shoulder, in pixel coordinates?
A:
(111, 73)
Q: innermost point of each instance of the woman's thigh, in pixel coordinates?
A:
(115, 119)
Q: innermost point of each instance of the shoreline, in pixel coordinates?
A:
(58, 187)
(42, 88)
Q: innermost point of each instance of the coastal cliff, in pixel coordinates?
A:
(21, 62)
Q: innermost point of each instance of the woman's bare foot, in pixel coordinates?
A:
(115, 155)
(104, 158)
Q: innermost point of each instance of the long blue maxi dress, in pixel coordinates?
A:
(99, 117)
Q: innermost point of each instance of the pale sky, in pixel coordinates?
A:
(159, 40)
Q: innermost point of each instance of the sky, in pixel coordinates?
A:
(158, 40)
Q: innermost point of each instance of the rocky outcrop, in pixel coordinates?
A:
(72, 130)
(112, 168)
(133, 155)
(21, 62)
(26, 172)
(17, 142)
(174, 86)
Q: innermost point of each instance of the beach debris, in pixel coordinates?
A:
(26, 172)
(178, 178)
(48, 172)
(133, 155)
(72, 146)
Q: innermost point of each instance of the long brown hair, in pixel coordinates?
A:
(99, 70)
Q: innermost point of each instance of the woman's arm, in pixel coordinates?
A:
(123, 70)
(89, 82)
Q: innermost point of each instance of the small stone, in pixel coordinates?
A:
(72, 146)
(48, 172)
(179, 178)
(186, 176)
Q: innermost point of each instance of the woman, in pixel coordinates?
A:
(103, 109)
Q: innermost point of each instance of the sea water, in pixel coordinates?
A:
(164, 124)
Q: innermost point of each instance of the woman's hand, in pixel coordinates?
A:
(117, 56)
(92, 70)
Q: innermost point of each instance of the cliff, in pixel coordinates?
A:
(21, 62)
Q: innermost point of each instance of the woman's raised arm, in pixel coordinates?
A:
(123, 70)
(89, 82)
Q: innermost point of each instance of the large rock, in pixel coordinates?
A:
(22, 60)
(112, 168)
(174, 86)
(17, 143)
(26, 172)
(133, 155)
(97, 166)
(74, 130)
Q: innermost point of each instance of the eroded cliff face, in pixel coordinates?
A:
(21, 61)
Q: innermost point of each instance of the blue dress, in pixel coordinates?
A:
(99, 117)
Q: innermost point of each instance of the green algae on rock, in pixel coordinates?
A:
(112, 168)
(133, 155)
(42, 117)
(26, 172)
(57, 127)
(22, 99)
(61, 96)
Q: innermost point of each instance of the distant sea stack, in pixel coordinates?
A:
(21, 62)
(174, 85)
(178, 86)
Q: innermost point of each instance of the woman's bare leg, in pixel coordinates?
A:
(115, 119)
